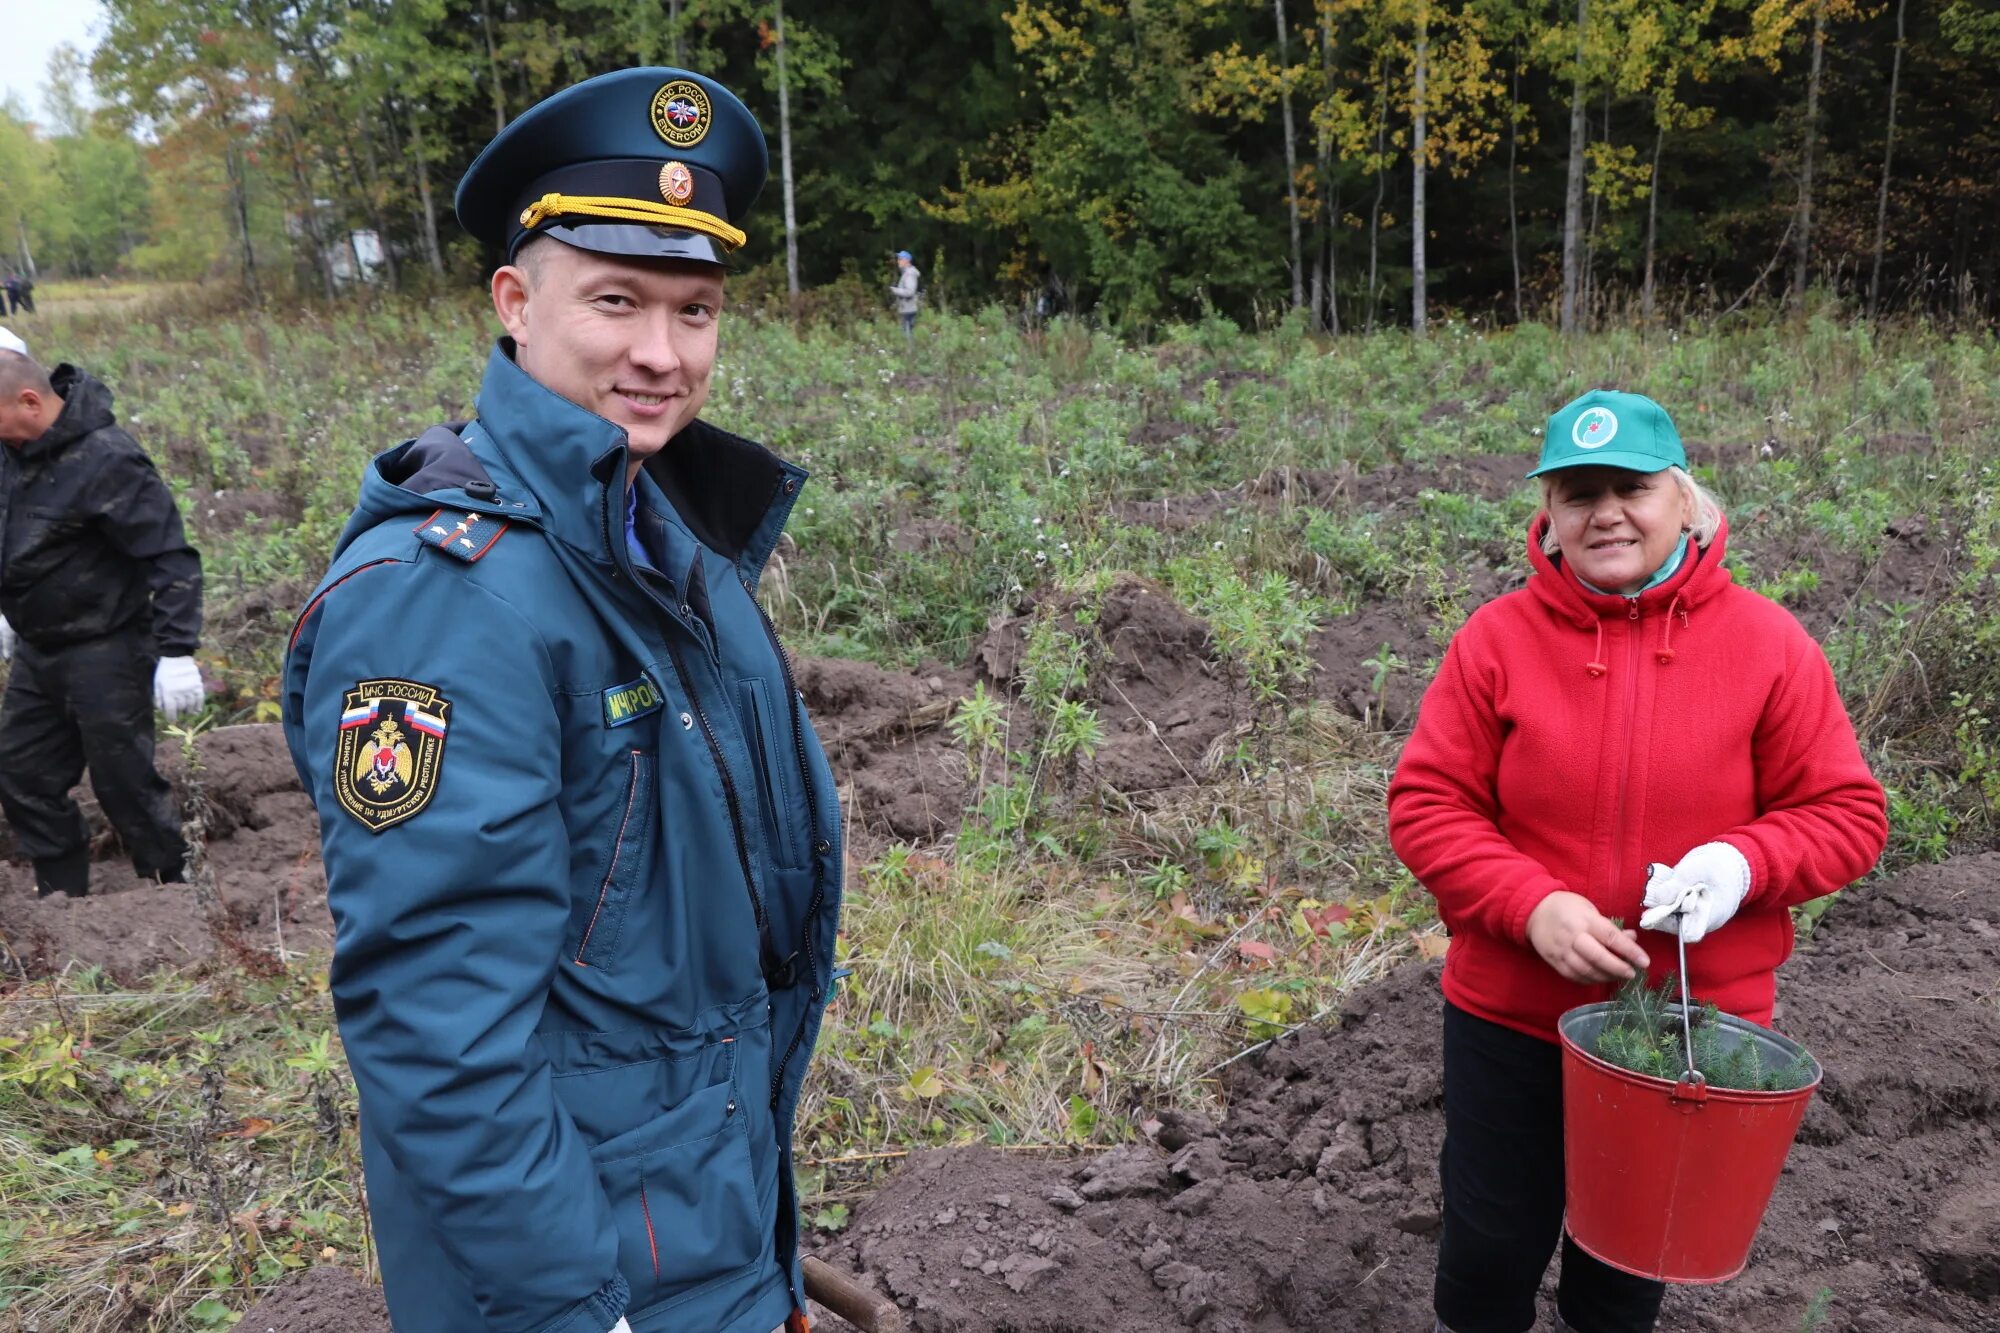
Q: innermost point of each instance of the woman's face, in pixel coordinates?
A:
(1616, 526)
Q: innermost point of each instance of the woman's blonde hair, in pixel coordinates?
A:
(1707, 513)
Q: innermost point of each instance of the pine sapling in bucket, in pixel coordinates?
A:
(1642, 1033)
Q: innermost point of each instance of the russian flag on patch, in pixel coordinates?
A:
(361, 715)
(424, 722)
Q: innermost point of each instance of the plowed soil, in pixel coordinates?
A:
(1313, 1204)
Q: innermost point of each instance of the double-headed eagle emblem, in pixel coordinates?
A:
(385, 762)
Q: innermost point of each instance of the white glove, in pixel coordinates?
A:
(1699, 894)
(6, 640)
(177, 686)
(621, 1327)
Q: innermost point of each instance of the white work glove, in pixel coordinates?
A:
(6, 640)
(1699, 894)
(621, 1327)
(177, 686)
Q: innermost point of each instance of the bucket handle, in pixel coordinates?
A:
(1691, 1087)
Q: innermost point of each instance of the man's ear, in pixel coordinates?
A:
(511, 292)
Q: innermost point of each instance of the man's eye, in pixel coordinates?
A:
(612, 298)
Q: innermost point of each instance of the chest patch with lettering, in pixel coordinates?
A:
(629, 703)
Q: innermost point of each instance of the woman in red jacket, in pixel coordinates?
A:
(1630, 708)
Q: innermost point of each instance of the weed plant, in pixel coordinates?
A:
(1643, 1033)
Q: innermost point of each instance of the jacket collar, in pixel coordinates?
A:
(728, 493)
(86, 408)
(1700, 578)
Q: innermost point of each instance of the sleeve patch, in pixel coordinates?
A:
(465, 535)
(390, 751)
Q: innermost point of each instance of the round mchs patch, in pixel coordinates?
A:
(676, 184)
(681, 113)
(1593, 428)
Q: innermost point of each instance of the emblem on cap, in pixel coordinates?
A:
(1593, 428)
(681, 113)
(676, 183)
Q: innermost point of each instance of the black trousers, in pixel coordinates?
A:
(90, 704)
(1502, 1170)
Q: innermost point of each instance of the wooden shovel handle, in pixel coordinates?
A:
(860, 1305)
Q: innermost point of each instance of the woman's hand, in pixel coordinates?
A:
(1580, 942)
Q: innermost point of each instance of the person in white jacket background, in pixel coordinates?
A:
(907, 292)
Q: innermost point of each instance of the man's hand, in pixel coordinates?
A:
(1697, 895)
(1580, 942)
(177, 687)
(6, 640)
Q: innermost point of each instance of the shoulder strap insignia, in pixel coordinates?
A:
(467, 536)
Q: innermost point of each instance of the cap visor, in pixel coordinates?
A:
(1608, 458)
(632, 240)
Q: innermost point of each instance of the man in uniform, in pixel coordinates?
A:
(100, 610)
(581, 844)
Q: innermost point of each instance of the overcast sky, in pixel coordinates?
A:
(29, 30)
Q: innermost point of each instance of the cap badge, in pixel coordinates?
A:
(676, 183)
(1593, 428)
(681, 113)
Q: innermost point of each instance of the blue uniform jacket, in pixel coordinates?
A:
(582, 850)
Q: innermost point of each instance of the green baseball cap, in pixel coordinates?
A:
(1605, 428)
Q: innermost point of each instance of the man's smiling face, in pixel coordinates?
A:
(631, 340)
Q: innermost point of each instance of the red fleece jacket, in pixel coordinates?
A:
(1572, 737)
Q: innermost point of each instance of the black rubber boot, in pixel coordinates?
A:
(68, 875)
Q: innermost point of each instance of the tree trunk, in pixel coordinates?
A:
(1418, 167)
(1514, 213)
(1573, 192)
(322, 261)
(373, 195)
(1802, 234)
(1327, 256)
(1652, 228)
(1291, 157)
(493, 67)
(1590, 231)
(239, 196)
(785, 157)
(433, 255)
(1888, 157)
(1381, 184)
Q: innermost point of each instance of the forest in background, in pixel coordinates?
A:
(1364, 162)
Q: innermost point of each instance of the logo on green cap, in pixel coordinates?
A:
(1593, 428)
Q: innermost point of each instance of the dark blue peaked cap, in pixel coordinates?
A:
(655, 163)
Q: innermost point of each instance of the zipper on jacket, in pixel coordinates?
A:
(622, 559)
(1631, 684)
(617, 850)
(821, 847)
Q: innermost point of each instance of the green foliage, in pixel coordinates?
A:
(1643, 1033)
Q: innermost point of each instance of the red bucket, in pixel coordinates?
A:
(1670, 1180)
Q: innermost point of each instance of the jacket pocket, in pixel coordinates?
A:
(684, 1196)
(597, 945)
(772, 753)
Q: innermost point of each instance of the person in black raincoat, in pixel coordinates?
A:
(100, 611)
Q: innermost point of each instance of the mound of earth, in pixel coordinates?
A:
(263, 846)
(319, 1300)
(1313, 1205)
